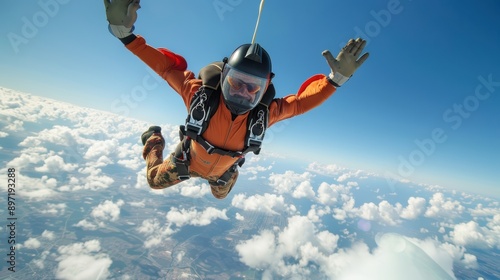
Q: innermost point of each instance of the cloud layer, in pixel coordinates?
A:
(83, 173)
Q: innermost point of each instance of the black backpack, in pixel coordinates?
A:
(204, 105)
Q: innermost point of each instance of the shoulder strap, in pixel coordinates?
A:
(206, 101)
(210, 74)
(269, 95)
(258, 121)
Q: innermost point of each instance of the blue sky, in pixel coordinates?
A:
(424, 107)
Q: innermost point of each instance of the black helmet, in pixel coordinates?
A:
(245, 78)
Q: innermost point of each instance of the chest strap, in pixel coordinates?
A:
(182, 160)
(191, 133)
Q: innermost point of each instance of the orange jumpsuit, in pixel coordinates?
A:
(223, 131)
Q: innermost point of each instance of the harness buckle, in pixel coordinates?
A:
(192, 130)
(183, 177)
(254, 142)
(221, 182)
(209, 148)
(238, 154)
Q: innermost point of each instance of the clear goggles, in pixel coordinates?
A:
(242, 89)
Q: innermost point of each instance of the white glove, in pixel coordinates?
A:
(347, 61)
(121, 15)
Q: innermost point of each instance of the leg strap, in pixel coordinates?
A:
(182, 159)
(222, 181)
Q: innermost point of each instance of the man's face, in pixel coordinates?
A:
(242, 91)
(244, 86)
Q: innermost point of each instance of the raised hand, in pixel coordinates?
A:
(347, 61)
(122, 12)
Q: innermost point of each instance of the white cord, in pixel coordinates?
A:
(258, 20)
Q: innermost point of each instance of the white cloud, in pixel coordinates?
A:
(107, 211)
(37, 188)
(325, 169)
(329, 194)
(388, 214)
(259, 251)
(133, 164)
(86, 225)
(82, 261)
(469, 261)
(480, 211)
(104, 141)
(101, 148)
(304, 190)
(351, 174)
(54, 164)
(180, 256)
(95, 180)
(193, 217)
(347, 210)
(60, 135)
(289, 181)
(494, 224)
(299, 243)
(3, 134)
(40, 262)
(139, 204)
(92, 133)
(141, 181)
(385, 213)
(195, 191)
(32, 243)
(471, 234)
(254, 170)
(394, 258)
(441, 207)
(316, 212)
(267, 203)
(49, 235)
(129, 151)
(54, 209)
(15, 125)
(458, 254)
(155, 232)
(341, 173)
(26, 159)
(149, 226)
(239, 217)
(415, 208)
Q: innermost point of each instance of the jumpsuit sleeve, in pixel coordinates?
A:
(311, 94)
(168, 65)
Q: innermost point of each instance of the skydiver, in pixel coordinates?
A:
(245, 79)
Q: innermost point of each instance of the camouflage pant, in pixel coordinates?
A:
(163, 174)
